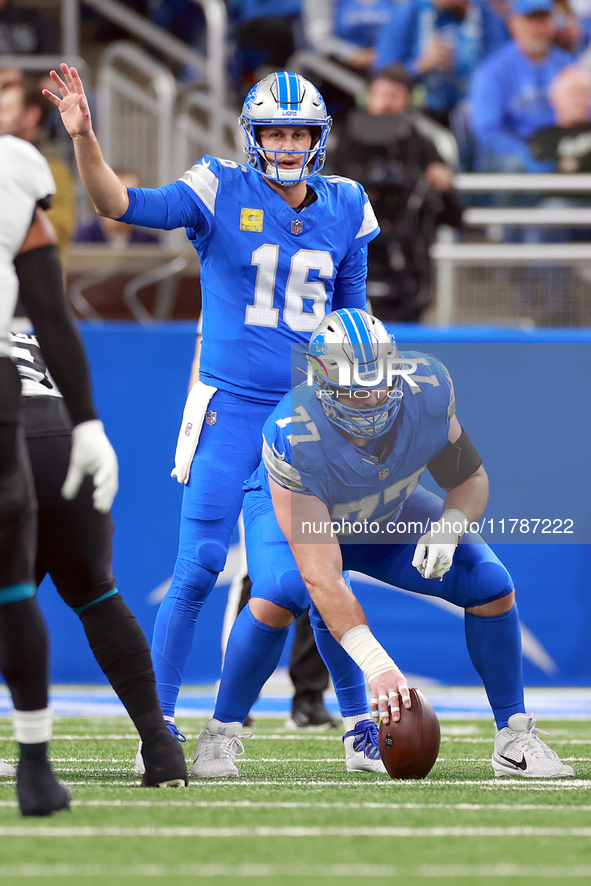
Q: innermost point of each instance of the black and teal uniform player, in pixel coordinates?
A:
(74, 540)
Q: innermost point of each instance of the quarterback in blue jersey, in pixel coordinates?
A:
(280, 247)
(337, 490)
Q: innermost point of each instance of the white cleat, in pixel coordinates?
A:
(217, 748)
(7, 770)
(362, 752)
(139, 767)
(519, 751)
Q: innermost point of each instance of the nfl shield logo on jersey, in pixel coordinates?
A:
(383, 474)
(211, 417)
(188, 429)
(297, 226)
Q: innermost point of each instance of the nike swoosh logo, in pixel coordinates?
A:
(518, 765)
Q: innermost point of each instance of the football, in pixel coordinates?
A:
(409, 747)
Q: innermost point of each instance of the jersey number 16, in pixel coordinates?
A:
(298, 288)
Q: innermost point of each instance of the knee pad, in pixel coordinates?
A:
(283, 587)
(194, 579)
(292, 583)
(293, 591)
(490, 581)
(211, 555)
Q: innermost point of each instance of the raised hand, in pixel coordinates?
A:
(73, 104)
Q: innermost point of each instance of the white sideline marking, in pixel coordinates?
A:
(291, 832)
(287, 804)
(366, 870)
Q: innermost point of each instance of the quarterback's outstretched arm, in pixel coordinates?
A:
(321, 567)
(108, 195)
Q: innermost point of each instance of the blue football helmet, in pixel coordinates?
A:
(285, 99)
(348, 355)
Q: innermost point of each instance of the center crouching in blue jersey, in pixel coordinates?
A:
(323, 466)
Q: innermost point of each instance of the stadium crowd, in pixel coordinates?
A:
(452, 85)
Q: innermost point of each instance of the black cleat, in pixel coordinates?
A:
(308, 712)
(165, 762)
(38, 790)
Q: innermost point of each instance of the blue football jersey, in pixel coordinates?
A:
(269, 274)
(305, 452)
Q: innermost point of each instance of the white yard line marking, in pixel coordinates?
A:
(287, 804)
(291, 832)
(127, 762)
(499, 784)
(275, 871)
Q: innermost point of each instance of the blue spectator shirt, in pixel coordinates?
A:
(359, 21)
(509, 102)
(413, 25)
(245, 10)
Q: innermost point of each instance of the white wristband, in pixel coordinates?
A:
(366, 652)
(455, 520)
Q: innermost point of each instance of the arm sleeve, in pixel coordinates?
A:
(172, 206)
(349, 291)
(41, 289)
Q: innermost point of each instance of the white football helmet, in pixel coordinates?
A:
(285, 99)
(349, 352)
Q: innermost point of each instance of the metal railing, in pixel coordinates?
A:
(44, 63)
(136, 96)
(485, 182)
(202, 128)
(329, 70)
(211, 68)
(540, 258)
(164, 276)
(167, 277)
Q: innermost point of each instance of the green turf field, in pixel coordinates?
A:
(296, 816)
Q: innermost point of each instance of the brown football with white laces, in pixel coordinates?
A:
(410, 746)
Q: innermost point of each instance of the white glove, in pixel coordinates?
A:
(193, 416)
(92, 454)
(435, 550)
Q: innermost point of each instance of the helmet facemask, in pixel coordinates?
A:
(280, 100)
(350, 355)
(367, 422)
